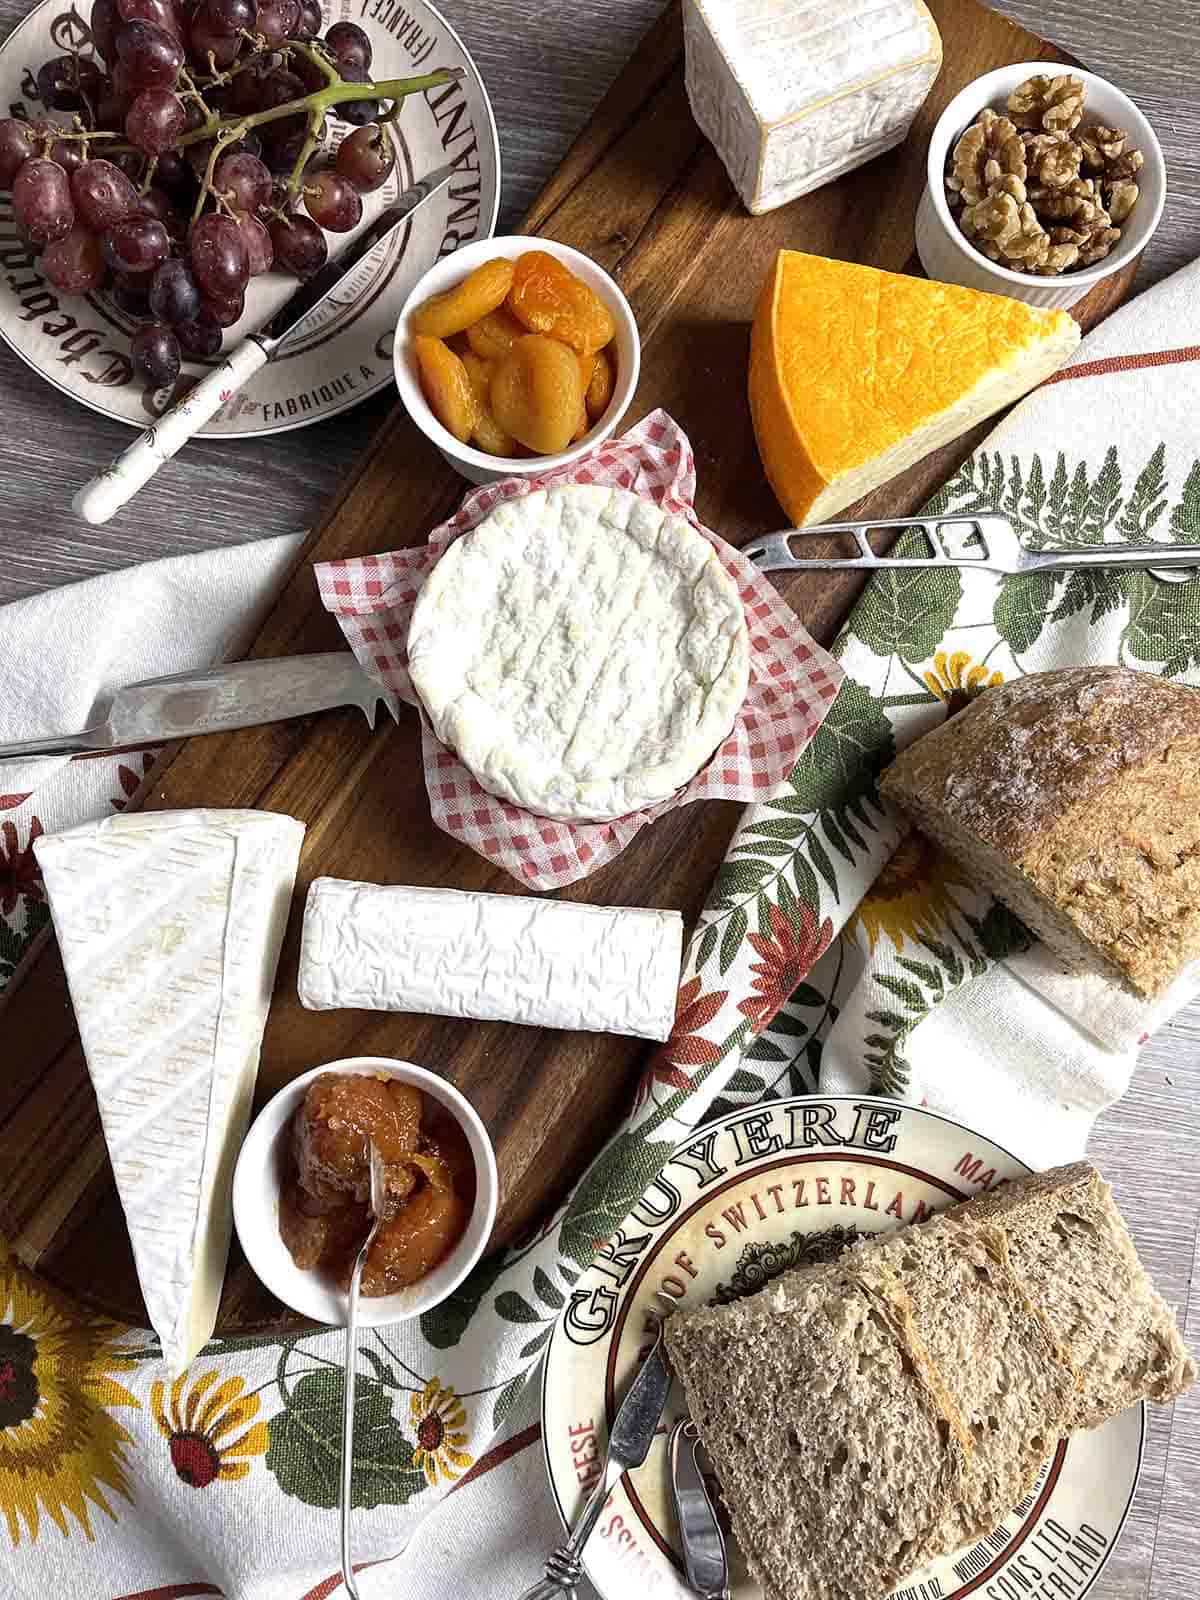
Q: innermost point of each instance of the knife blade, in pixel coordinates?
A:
(633, 1430)
(314, 291)
(704, 1556)
(117, 483)
(217, 699)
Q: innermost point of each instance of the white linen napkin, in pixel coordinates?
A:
(66, 651)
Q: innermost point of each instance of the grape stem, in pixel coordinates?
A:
(335, 93)
(319, 59)
(228, 135)
(191, 92)
(316, 125)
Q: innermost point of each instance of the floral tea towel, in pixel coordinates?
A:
(934, 992)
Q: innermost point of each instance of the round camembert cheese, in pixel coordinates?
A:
(582, 651)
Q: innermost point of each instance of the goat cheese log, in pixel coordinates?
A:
(492, 957)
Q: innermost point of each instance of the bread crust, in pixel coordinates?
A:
(1006, 764)
(1069, 1332)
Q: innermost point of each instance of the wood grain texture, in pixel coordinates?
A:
(645, 195)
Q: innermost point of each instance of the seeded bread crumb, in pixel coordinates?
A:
(867, 1414)
(833, 1412)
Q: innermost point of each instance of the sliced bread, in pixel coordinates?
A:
(1074, 796)
(950, 1355)
(994, 1353)
(836, 1449)
(1075, 1260)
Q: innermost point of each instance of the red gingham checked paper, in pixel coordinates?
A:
(793, 681)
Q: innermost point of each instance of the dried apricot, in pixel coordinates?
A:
(490, 436)
(480, 291)
(537, 394)
(548, 298)
(493, 336)
(447, 387)
(487, 433)
(599, 390)
(480, 373)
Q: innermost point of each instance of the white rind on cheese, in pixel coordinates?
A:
(582, 651)
(793, 93)
(170, 925)
(504, 958)
(997, 389)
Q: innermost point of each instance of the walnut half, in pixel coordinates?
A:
(989, 150)
(1054, 105)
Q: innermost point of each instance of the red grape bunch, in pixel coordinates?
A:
(193, 156)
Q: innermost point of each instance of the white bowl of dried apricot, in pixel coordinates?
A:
(515, 355)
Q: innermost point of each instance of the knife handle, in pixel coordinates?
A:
(108, 491)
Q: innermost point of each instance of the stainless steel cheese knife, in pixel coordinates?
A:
(110, 489)
(989, 543)
(704, 1556)
(633, 1430)
(214, 700)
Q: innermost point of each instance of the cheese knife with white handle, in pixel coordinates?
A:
(110, 489)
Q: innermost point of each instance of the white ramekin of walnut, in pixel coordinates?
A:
(1042, 180)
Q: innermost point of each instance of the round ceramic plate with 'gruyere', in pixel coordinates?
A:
(764, 1189)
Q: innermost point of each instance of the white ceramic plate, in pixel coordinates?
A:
(343, 352)
(743, 1199)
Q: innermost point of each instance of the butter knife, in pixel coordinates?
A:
(110, 489)
(633, 1431)
(704, 1556)
(239, 695)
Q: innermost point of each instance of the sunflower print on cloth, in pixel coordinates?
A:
(911, 898)
(62, 1451)
(439, 1419)
(212, 1433)
(957, 678)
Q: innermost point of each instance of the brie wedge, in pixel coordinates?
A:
(583, 652)
(494, 957)
(170, 925)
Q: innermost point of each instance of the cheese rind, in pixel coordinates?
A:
(855, 373)
(491, 957)
(170, 925)
(794, 92)
(582, 651)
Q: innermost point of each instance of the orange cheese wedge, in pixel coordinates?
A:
(855, 374)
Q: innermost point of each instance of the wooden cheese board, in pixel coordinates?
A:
(644, 194)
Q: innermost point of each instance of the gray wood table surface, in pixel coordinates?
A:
(1149, 1144)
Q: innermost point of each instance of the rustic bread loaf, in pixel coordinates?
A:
(1074, 796)
(838, 1452)
(996, 1327)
